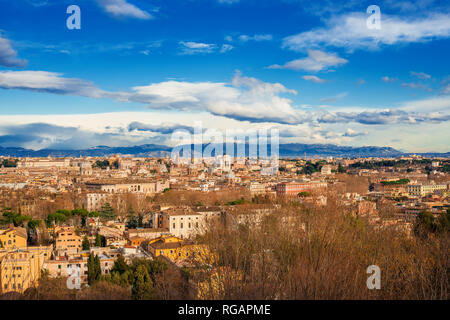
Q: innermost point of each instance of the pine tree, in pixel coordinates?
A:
(85, 244)
(94, 269)
(107, 212)
(142, 284)
(98, 240)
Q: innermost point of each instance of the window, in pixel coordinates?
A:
(181, 225)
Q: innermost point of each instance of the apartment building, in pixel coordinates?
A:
(21, 269)
(13, 238)
(257, 188)
(95, 201)
(294, 188)
(182, 222)
(67, 241)
(421, 190)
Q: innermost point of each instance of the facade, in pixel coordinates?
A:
(95, 201)
(257, 188)
(420, 190)
(67, 241)
(294, 188)
(21, 269)
(326, 169)
(182, 223)
(177, 249)
(13, 238)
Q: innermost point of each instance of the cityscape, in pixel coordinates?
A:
(235, 150)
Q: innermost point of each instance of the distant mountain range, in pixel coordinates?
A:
(153, 150)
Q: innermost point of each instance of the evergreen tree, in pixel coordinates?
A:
(120, 266)
(94, 269)
(107, 212)
(142, 284)
(85, 244)
(98, 240)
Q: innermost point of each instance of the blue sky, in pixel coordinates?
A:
(313, 70)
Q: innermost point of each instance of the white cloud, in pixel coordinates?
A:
(316, 61)
(334, 98)
(352, 133)
(418, 85)
(350, 31)
(244, 99)
(314, 79)
(190, 47)
(420, 75)
(49, 82)
(256, 37)
(8, 56)
(388, 79)
(123, 9)
(226, 48)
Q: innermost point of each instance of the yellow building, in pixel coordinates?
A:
(21, 269)
(13, 238)
(67, 241)
(177, 249)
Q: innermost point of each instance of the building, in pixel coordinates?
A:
(177, 249)
(421, 190)
(21, 269)
(182, 222)
(294, 188)
(13, 238)
(95, 201)
(257, 188)
(67, 242)
(326, 169)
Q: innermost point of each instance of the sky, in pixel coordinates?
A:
(138, 70)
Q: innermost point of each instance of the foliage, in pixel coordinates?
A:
(107, 212)
(396, 182)
(85, 244)
(142, 284)
(94, 269)
(8, 163)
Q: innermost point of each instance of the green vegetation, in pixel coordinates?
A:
(102, 164)
(100, 241)
(237, 202)
(141, 275)
(94, 269)
(8, 217)
(303, 194)
(396, 182)
(427, 223)
(8, 163)
(85, 244)
(107, 212)
(310, 168)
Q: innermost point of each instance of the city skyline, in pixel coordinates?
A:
(138, 70)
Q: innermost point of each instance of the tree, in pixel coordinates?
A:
(142, 284)
(94, 269)
(85, 244)
(54, 218)
(120, 266)
(100, 241)
(107, 212)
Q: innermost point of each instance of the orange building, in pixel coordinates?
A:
(13, 238)
(67, 241)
